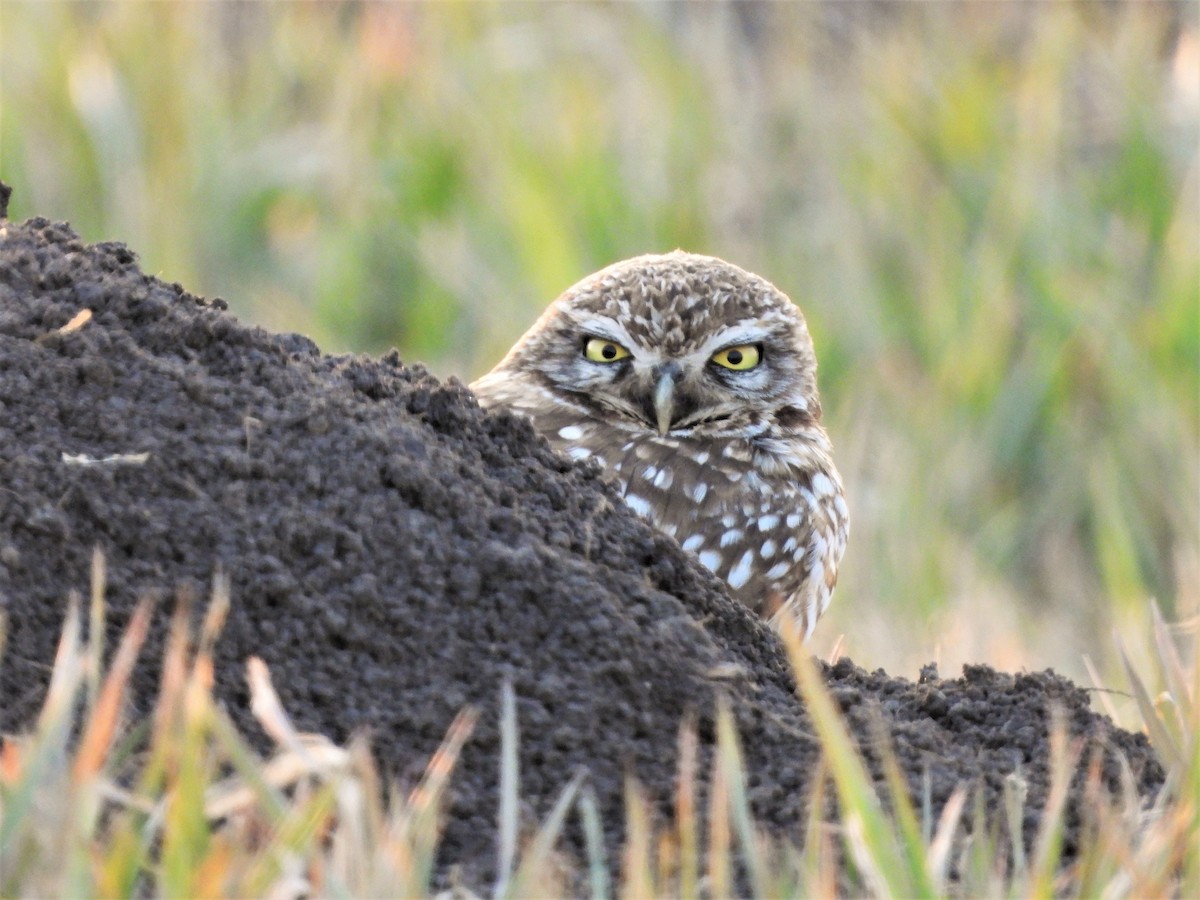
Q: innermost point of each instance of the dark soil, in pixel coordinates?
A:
(395, 553)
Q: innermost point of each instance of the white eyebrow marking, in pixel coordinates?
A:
(732, 337)
(606, 329)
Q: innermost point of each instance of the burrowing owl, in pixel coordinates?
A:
(693, 382)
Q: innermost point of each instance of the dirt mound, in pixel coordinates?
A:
(395, 554)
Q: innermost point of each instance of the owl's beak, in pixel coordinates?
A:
(664, 396)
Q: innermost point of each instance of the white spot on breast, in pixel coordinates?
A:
(649, 472)
(729, 520)
(731, 537)
(710, 559)
(740, 573)
(778, 570)
(670, 529)
(821, 485)
(701, 457)
(639, 505)
(767, 550)
(793, 520)
(578, 452)
(694, 543)
(570, 432)
(664, 478)
(839, 503)
(789, 545)
(699, 491)
(766, 523)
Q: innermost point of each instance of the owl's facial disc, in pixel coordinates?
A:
(700, 385)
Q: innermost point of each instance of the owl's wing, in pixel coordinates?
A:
(567, 425)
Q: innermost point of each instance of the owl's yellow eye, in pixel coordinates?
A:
(602, 351)
(740, 358)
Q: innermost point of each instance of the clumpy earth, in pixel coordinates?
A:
(395, 554)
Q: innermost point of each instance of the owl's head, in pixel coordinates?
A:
(676, 344)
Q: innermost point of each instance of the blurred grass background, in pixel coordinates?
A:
(989, 212)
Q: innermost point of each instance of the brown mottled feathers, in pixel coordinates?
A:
(706, 417)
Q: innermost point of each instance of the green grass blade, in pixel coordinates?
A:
(1173, 673)
(593, 834)
(637, 873)
(534, 862)
(870, 835)
(685, 811)
(96, 627)
(509, 826)
(1015, 790)
(1048, 849)
(730, 760)
(912, 841)
(1160, 736)
(942, 843)
(720, 868)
